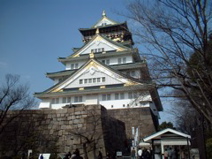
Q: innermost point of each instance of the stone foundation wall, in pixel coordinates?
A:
(135, 117)
(67, 129)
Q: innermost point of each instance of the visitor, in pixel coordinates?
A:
(133, 153)
(108, 156)
(100, 155)
(139, 153)
(145, 154)
(41, 156)
(166, 154)
(76, 155)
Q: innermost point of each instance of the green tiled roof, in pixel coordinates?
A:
(106, 26)
(60, 73)
(144, 87)
(116, 67)
(101, 55)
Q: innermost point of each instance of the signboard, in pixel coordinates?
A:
(118, 153)
(45, 156)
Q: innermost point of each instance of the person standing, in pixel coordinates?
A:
(100, 155)
(133, 153)
(145, 154)
(140, 153)
(166, 154)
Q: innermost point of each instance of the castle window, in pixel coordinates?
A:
(77, 99)
(53, 101)
(105, 97)
(85, 81)
(122, 60)
(74, 66)
(92, 80)
(130, 95)
(116, 96)
(97, 50)
(80, 81)
(64, 99)
(121, 95)
(119, 60)
(69, 100)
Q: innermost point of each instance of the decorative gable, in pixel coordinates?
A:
(99, 44)
(92, 74)
(104, 21)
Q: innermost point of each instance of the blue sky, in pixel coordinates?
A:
(34, 33)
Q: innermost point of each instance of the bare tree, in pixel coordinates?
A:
(172, 31)
(13, 96)
(91, 133)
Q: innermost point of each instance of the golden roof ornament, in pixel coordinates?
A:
(97, 31)
(104, 13)
(91, 55)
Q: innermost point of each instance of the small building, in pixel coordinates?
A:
(172, 141)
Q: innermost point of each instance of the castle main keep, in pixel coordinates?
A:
(106, 71)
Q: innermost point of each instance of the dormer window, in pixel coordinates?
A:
(122, 60)
(97, 50)
(92, 80)
(74, 66)
(107, 61)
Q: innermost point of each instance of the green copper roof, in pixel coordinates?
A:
(125, 66)
(101, 27)
(144, 87)
(133, 52)
(104, 17)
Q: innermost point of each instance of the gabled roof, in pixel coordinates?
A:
(99, 40)
(92, 65)
(166, 132)
(123, 25)
(104, 21)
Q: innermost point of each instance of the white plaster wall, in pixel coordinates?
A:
(113, 61)
(80, 63)
(143, 101)
(46, 103)
(98, 74)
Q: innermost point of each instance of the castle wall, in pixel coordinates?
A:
(66, 129)
(140, 118)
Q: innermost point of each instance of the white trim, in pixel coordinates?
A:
(146, 139)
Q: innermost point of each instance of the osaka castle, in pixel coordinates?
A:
(105, 70)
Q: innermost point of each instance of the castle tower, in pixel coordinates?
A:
(106, 70)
